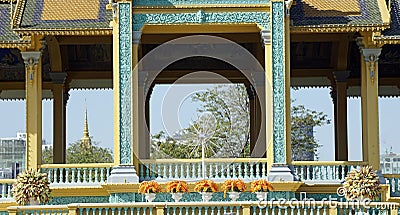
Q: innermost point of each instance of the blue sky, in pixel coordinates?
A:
(100, 115)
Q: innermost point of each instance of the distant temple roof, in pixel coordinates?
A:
(338, 13)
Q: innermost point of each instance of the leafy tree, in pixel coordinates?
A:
(222, 125)
(77, 153)
(303, 122)
(230, 136)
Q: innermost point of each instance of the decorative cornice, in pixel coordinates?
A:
(204, 6)
(266, 36)
(197, 2)
(260, 18)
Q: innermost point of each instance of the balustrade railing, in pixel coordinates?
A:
(77, 174)
(393, 180)
(324, 171)
(191, 169)
(213, 208)
(5, 188)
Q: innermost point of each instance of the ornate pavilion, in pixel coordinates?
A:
(48, 47)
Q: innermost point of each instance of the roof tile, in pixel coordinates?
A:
(335, 12)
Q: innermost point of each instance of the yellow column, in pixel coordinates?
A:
(266, 37)
(59, 142)
(341, 144)
(114, 25)
(135, 99)
(33, 93)
(288, 125)
(369, 102)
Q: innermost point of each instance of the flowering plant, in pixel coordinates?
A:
(177, 187)
(261, 186)
(149, 187)
(233, 186)
(206, 186)
(362, 183)
(31, 185)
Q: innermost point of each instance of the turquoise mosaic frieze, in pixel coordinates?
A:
(125, 85)
(278, 77)
(195, 2)
(78, 199)
(261, 18)
(3, 212)
(122, 197)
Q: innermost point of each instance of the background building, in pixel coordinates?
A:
(12, 150)
(390, 163)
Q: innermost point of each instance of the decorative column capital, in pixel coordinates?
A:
(58, 77)
(31, 61)
(136, 37)
(266, 36)
(341, 76)
(31, 58)
(371, 54)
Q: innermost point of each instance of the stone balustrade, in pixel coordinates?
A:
(217, 169)
(77, 174)
(324, 171)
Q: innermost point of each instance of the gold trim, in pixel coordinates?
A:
(78, 191)
(19, 8)
(4, 205)
(319, 188)
(337, 28)
(387, 39)
(66, 31)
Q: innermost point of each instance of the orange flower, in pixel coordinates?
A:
(177, 187)
(149, 187)
(233, 186)
(206, 186)
(261, 186)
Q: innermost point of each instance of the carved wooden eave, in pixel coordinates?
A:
(382, 40)
(333, 28)
(65, 31)
(14, 44)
